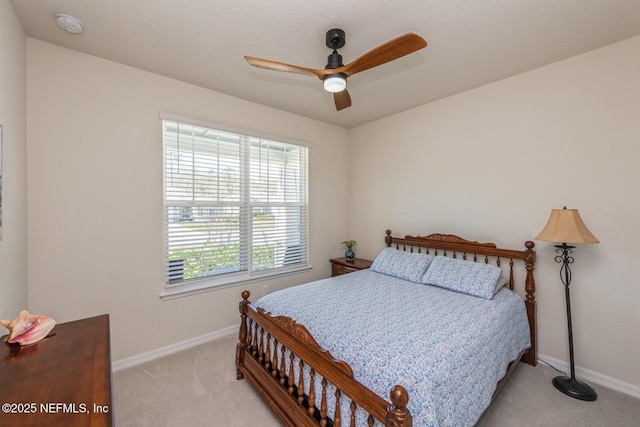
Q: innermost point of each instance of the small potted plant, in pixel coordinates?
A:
(350, 244)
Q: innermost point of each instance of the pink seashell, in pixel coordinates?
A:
(28, 328)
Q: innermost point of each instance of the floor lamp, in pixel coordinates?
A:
(566, 226)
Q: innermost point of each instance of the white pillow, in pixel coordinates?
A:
(501, 283)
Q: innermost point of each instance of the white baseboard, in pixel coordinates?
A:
(593, 377)
(173, 348)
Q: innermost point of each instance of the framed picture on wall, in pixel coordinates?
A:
(0, 182)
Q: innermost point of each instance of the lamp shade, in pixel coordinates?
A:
(566, 226)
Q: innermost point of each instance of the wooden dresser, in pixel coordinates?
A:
(63, 380)
(342, 266)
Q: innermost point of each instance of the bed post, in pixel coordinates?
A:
(242, 335)
(387, 238)
(531, 357)
(397, 414)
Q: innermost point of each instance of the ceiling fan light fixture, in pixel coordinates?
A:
(335, 82)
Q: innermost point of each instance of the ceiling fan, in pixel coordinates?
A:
(334, 75)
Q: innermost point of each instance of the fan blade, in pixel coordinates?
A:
(342, 99)
(281, 66)
(384, 53)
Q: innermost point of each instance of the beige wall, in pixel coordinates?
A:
(95, 195)
(490, 164)
(13, 246)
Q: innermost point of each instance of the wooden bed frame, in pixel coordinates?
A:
(266, 368)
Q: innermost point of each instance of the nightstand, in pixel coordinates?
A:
(342, 266)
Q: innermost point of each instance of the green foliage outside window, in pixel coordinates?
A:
(224, 256)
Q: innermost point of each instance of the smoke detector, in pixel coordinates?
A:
(69, 23)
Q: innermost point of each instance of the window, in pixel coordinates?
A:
(236, 207)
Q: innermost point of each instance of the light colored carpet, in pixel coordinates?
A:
(198, 387)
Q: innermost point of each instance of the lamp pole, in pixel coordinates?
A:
(569, 385)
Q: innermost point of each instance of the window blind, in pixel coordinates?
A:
(235, 205)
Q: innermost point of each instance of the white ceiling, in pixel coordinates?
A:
(471, 43)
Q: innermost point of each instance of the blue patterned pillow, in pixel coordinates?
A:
(403, 265)
(469, 277)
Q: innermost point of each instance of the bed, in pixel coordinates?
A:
(306, 353)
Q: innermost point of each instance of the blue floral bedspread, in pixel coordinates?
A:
(447, 349)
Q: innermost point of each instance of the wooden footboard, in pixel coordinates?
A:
(283, 362)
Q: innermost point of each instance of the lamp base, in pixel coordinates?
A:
(574, 388)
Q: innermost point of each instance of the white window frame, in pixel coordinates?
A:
(245, 275)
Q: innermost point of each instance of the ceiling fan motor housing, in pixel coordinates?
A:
(334, 61)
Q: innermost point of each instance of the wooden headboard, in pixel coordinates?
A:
(457, 247)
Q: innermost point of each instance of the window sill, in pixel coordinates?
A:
(207, 285)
